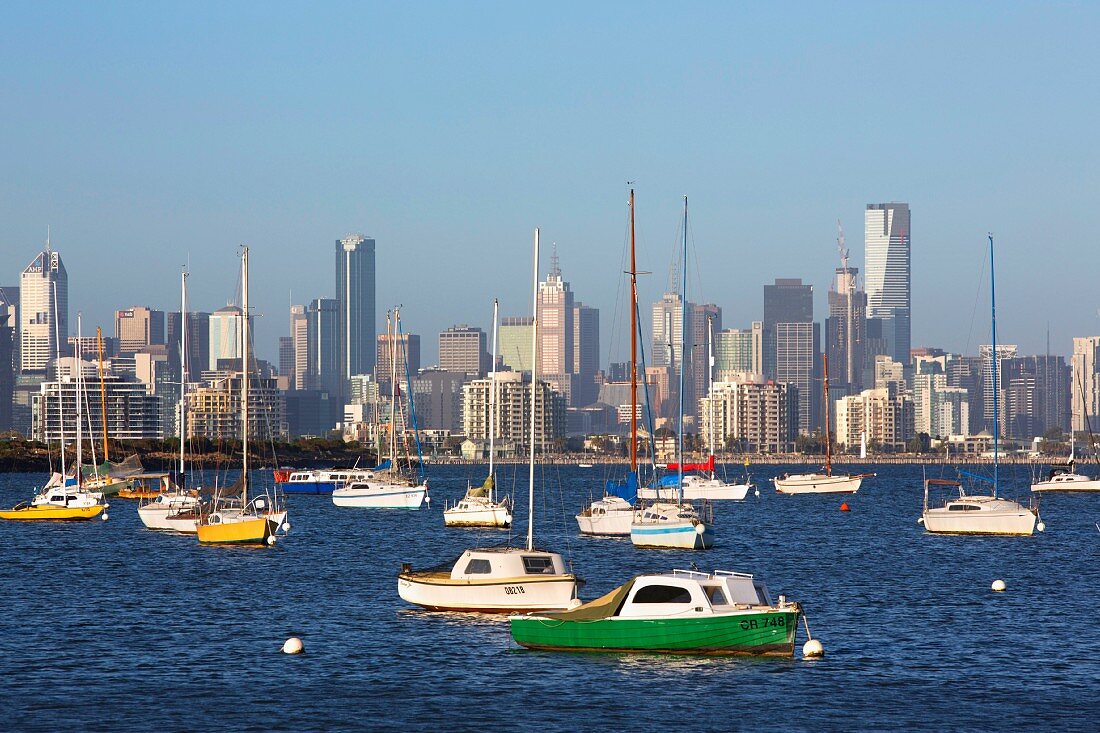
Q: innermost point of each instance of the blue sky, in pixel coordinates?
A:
(147, 135)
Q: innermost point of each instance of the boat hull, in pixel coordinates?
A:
(817, 484)
(380, 496)
(672, 535)
(1066, 487)
(996, 523)
(613, 524)
(717, 491)
(307, 487)
(487, 517)
(49, 513)
(765, 633)
(252, 531)
(503, 595)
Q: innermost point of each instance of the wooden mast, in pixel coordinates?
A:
(102, 393)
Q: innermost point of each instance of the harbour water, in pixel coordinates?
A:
(108, 626)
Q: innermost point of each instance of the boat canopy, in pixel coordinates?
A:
(627, 489)
(384, 465)
(708, 465)
(605, 606)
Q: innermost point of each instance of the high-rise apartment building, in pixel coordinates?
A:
(1085, 367)
(355, 297)
(1037, 395)
(43, 310)
(669, 349)
(138, 327)
(736, 351)
(985, 352)
(882, 416)
(888, 256)
(513, 406)
(463, 349)
(750, 415)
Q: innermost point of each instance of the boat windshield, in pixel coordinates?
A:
(538, 565)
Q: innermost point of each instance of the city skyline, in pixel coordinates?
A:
(782, 140)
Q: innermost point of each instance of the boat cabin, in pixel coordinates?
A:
(681, 592)
(506, 562)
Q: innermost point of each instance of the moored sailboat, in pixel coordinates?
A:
(500, 579)
(981, 514)
(827, 482)
(480, 507)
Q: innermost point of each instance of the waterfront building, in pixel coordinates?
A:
(513, 405)
(43, 310)
(887, 256)
(1085, 365)
(939, 410)
(750, 415)
(463, 349)
(133, 411)
(355, 297)
(515, 343)
(138, 327)
(846, 330)
(214, 409)
(884, 415)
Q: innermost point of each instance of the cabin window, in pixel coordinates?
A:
(716, 596)
(963, 508)
(478, 567)
(662, 594)
(538, 565)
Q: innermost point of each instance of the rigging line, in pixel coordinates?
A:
(974, 310)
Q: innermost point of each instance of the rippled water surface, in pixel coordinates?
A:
(108, 626)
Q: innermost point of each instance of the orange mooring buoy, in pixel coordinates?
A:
(845, 508)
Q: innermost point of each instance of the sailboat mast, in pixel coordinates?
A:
(493, 398)
(244, 376)
(57, 354)
(393, 392)
(683, 361)
(828, 437)
(79, 404)
(534, 396)
(996, 417)
(633, 345)
(710, 375)
(183, 367)
(102, 392)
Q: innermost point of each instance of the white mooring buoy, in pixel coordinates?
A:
(1041, 526)
(271, 539)
(103, 516)
(293, 645)
(999, 585)
(813, 649)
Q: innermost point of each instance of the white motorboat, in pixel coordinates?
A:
(493, 580)
(609, 516)
(1067, 481)
(500, 579)
(164, 512)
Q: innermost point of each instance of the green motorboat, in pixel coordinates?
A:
(682, 612)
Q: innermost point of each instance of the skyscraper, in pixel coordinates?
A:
(9, 304)
(797, 346)
(198, 341)
(43, 310)
(299, 336)
(355, 297)
(1004, 351)
(887, 242)
(323, 367)
(462, 349)
(586, 352)
(555, 346)
(785, 301)
(226, 329)
(408, 357)
(845, 329)
(1085, 379)
(138, 327)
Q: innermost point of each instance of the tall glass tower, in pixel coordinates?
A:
(355, 298)
(43, 310)
(888, 274)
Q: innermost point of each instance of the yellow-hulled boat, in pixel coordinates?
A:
(223, 528)
(52, 512)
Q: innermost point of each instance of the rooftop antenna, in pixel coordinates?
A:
(840, 245)
(48, 238)
(555, 268)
